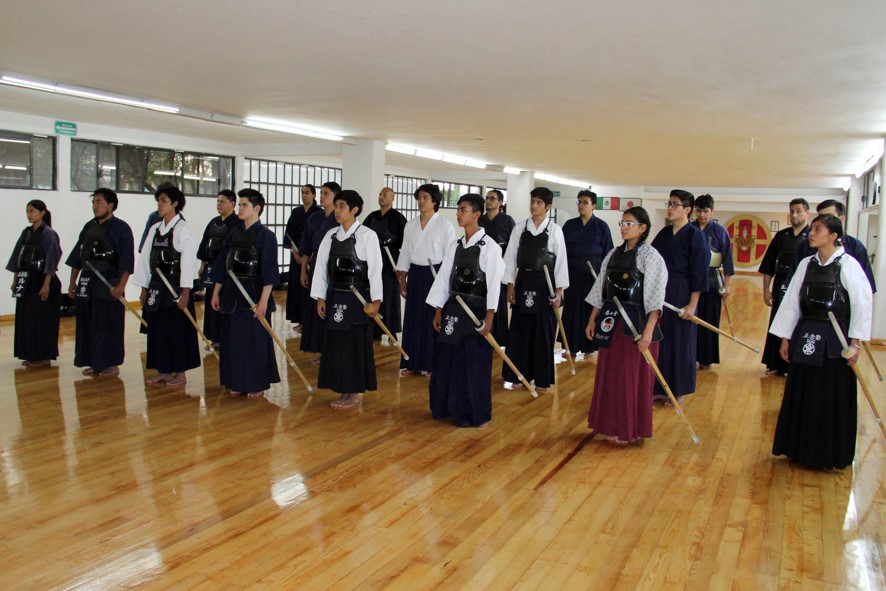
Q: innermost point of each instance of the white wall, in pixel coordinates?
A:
(72, 209)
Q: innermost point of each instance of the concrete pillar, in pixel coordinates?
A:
(519, 186)
(363, 170)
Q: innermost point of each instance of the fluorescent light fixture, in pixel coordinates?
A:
(164, 173)
(57, 88)
(12, 141)
(541, 176)
(10, 167)
(285, 127)
(869, 163)
(400, 149)
(475, 163)
(511, 170)
(453, 159)
(431, 154)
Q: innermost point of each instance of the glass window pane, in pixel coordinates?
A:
(84, 156)
(43, 162)
(131, 169)
(162, 167)
(15, 160)
(107, 166)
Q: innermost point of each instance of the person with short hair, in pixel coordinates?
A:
(318, 225)
(247, 364)
(687, 257)
(817, 422)
(36, 288)
(107, 244)
(720, 272)
(425, 240)
(297, 298)
(588, 239)
(853, 246)
(536, 243)
(171, 249)
(461, 383)
(389, 225)
(636, 274)
(207, 252)
(349, 257)
(776, 268)
(498, 225)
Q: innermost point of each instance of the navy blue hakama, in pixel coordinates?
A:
(99, 333)
(461, 384)
(347, 365)
(390, 305)
(419, 337)
(172, 340)
(36, 322)
(247, 361)
(710, 305)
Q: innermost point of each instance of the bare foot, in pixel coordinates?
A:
(41, 363)
(255, 394)
(178, 380)
(89, 371)
(315, 361)
(234, 394)
(346, 402)
(159, 378)
(111, 371)
(407, 372)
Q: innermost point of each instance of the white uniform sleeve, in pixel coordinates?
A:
(860, 298)
(439, 294)
(320, 280)
(184, 241)
(655, 277)
(368, 241)
(494, 268)
(557, 245)
(510, 256)
(410, 237)
(595, 296)
(789, 310)
(142, 275)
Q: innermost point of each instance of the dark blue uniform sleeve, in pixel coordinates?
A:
(12, 265)
(121, 235)
(726, 250)
(860, 253)
(201, 248)
(767, 265)
(307, 237)
(267, 244)
(53, 251)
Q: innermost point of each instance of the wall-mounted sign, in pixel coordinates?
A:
(65, 128)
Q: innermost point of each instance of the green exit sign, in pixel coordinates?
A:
(65, 128)
(556, 193)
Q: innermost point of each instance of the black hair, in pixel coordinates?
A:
(544, 194)
(588, 193)
(474, 199)
(838, 205)
(40, 206)
(229, 195)
(800, 201)
(352, 198)
(108, 195)
(704, 202)
(432, 190)
(254, 197)
(642, 216)
(311, 188)
(174, 193)
(498, 194)
(833, 225)
(332, 186)
(686, 198)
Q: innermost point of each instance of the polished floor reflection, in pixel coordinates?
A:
(108, 483)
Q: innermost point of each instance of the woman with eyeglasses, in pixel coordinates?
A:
(635, 273)
(36, 287)
(588, 239)
(818, 418)
(687, 256)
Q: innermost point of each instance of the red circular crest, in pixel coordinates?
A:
(750, 237)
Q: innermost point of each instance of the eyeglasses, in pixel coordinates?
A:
(624, 224)
(674, 204)
(582, 202)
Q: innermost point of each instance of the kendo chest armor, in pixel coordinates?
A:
(244, 258)
(345, 269)
(31, 256)
(380, 226)
(467, 278)
(788, 253)
(163, 255)
(533, 254)
(822, 292)
(97, 247)
(215, 236)
(623, 278)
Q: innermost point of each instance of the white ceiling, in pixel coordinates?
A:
(775, 93)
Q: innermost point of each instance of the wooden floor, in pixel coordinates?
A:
(108, 483)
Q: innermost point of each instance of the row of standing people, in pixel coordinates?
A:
(105, 241)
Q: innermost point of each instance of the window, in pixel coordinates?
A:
(452, 191)
(281, 184)
(135, 169)
(404, 193)
(27, 161)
